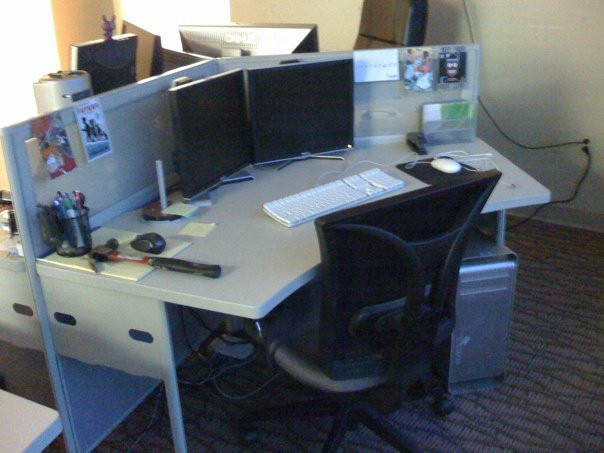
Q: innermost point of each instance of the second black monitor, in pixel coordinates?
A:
(301, 109)
(211, 131)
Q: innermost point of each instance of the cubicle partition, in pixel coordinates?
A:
(139, 124)
(100, 375)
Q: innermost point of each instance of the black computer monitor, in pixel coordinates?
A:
(111, 64)
(211, 130)
(301, 109)
(233, 40)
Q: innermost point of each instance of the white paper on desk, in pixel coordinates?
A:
(124, 269)
(376, 65)
(197, 229)
(181, 209)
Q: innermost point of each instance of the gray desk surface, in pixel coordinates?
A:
(263, 262)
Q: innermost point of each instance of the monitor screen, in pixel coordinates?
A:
(111, 64)
(301, 108)
(211, 130)
(234, 40)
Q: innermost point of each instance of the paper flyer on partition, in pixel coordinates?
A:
(93, 129)
(53, 145)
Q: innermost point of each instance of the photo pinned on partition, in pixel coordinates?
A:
(93, 129)
(419, 69)
(53, 145)
(451, 69)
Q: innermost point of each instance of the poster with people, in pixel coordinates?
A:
(93, 129)
(419, 70)
(53, 145)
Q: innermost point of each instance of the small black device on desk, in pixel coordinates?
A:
(417, 142)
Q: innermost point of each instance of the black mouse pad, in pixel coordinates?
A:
(425, 173)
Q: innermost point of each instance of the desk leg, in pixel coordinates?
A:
(171, 382)
(500, 238)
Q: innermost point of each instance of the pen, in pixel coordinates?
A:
(58, 207)
(69, 207)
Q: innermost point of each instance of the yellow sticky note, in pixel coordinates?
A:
(182, 209)
(197, 229)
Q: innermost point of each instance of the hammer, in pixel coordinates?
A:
(108, 252)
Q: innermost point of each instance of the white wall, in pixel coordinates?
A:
(542, 80)
(162, 17)
(337, 20)
(28, 52)
(26, 57)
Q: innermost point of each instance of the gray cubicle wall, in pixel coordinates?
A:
(382, 109)
(140, 129)
(138, 119)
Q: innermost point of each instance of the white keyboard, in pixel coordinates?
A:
(312, 203)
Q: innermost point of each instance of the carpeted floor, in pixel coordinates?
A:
(552, 398)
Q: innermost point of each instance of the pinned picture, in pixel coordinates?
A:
(93, 129)
(419, 70)
(53, 145)
(451, 69)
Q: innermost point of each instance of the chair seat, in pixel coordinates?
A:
(307, 372)
(292, 342)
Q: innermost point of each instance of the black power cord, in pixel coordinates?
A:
(585, 149)
(584, 142)
(152, 421)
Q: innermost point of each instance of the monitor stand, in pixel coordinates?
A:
(203, 198)
(241, 175)
(305, 156)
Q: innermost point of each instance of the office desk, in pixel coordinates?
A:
(263, 262)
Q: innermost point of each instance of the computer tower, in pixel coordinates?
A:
(485, 296)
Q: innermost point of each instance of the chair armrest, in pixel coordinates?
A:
(308, 373)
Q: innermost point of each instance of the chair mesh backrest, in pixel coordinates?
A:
(380, 252)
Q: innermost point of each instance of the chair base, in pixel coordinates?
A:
(347, 416)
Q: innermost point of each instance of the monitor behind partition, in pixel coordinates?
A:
(211, 131)
(234, 40)
(111, 64)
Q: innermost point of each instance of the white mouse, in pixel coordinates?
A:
(446, 165)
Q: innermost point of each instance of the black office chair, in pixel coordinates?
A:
(376, 325)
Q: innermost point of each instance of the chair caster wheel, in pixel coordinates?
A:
(248, 435)
(443, 406)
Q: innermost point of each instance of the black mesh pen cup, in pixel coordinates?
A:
(76, 239)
